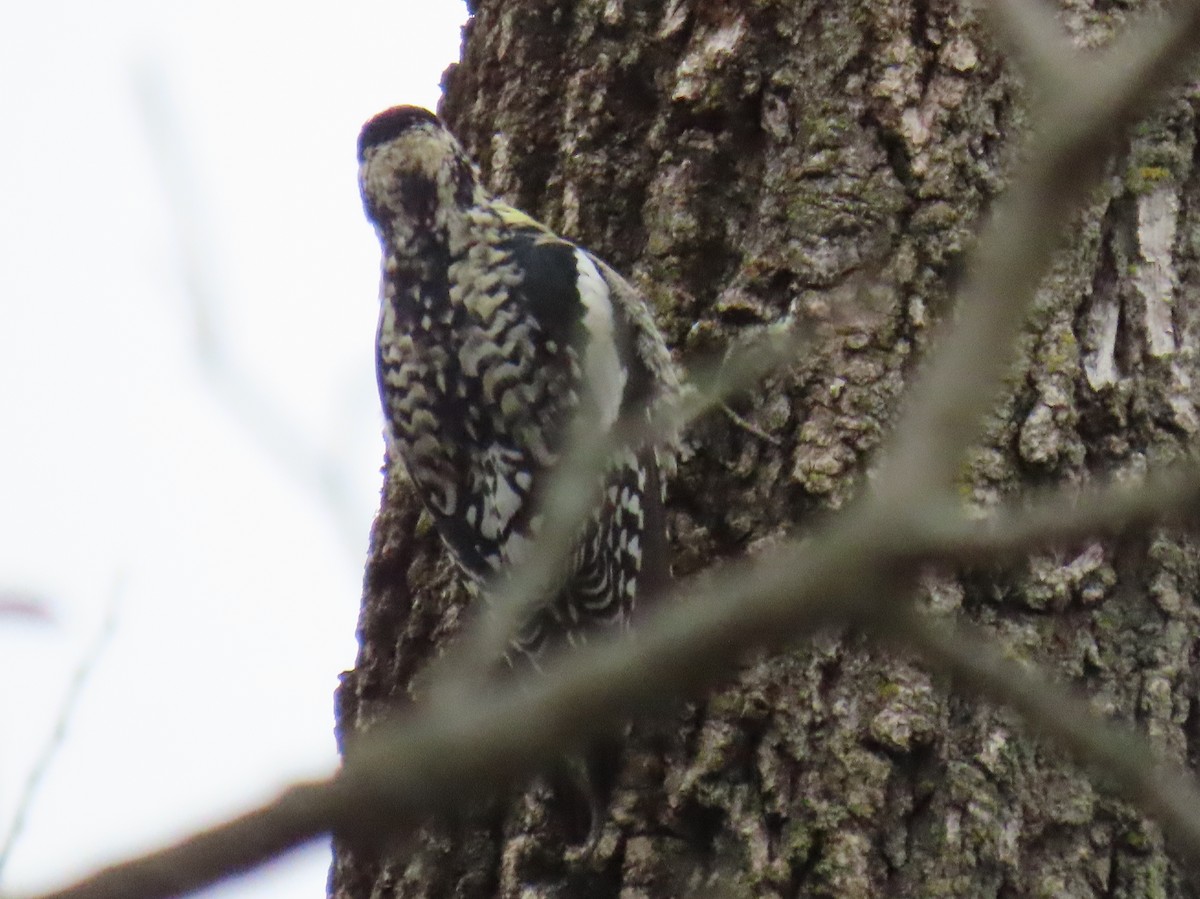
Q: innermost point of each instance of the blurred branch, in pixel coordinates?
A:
(1060, 516)
(1033, 34)
(24, 606)
(976, 663)
(444, 753)
(253, 408)
(230, 848)
(66, 714)
(1070, 145)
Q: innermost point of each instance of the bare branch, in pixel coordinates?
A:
(1070, 145)
(1059, 516)
(1029, 27)
(299, 814)
(445, 753)
(976, 663)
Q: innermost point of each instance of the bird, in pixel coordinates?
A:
(497, 340)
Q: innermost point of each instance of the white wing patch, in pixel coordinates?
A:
(604, 373)
(501, 502)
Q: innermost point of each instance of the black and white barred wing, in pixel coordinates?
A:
(617, 366)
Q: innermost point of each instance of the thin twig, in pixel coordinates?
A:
(976, 663)
(62, 722)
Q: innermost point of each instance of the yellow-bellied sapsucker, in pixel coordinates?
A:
(496, 337)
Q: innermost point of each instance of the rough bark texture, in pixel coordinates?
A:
(739, 160)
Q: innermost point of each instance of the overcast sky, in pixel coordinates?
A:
(189, 432)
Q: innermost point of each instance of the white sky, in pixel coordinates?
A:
(123, 459)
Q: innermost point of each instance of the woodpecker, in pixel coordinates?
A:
(496, 338)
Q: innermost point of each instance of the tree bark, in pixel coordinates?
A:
(743, 162)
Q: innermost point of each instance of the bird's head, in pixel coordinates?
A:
(411, 170)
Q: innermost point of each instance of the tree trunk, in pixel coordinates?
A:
(741, 162)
